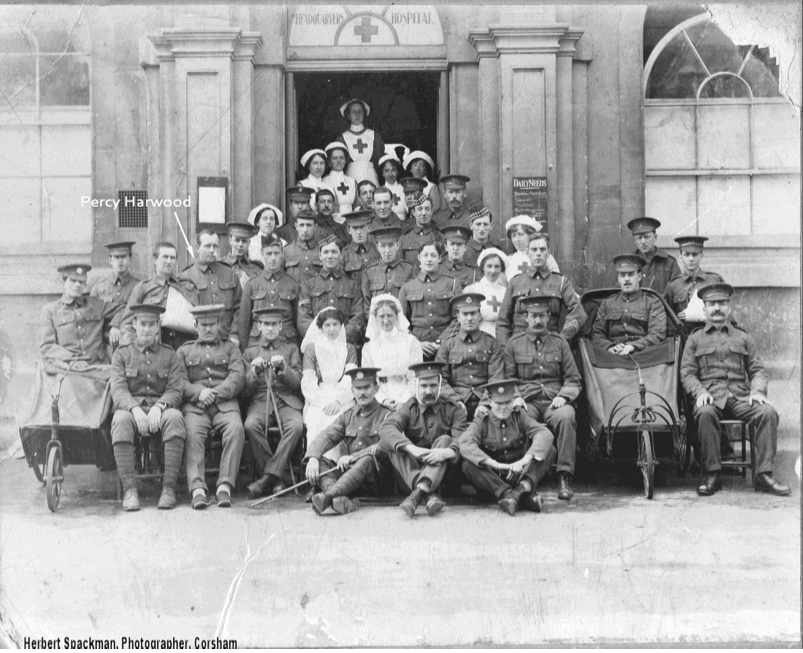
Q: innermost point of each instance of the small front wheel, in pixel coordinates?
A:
(646, 462)
(54, 478)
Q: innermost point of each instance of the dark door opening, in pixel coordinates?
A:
(404, 108)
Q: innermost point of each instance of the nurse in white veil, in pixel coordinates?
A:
(326, 388)
(392, 349)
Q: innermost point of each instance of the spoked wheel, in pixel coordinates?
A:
(55, 477)
(39, 470)
(646, 462)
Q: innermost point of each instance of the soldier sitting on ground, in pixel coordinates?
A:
(358, 431)
(147, 389)
(510, 443)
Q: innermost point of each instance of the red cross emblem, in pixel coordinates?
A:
(366, 30)
(360, 146)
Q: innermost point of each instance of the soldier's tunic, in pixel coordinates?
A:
(679, 291)
(331, 288)
(326, 226)
(412, 240)
(448, 218)
(302, 259)
(425, 302)
(287, 393)
(355, 430)
(218, 284)
(116, 291)
(505, 441)
(464, 273)
(380, 278)
(474, 248)
(151, 291)
(74, 327)
(141, 378)
(217, 365)
(269, 289)
(357, 257)
(637, 319)
(243, 268)
(472, 360)
(430, 427)
(724, 362)
(391, 221)
(512, 317)
(546, 369)
(660, 270)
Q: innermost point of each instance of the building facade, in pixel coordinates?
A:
(119, 118)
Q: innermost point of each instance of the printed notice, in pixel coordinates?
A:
(530, 198)
(211, 205)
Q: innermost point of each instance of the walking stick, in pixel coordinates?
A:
(272, 397)
(287, 489)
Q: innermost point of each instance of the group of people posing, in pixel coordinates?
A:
(415, 351)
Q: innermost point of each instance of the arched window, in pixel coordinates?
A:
(721, 143)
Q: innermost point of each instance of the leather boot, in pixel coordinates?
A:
(167, 500)
(765, 482)
(710, 486)
(565, 491)
(532, 500)
(131, 500)
(321, 501)
(434, 504)
(262, 486)
(510, 500)
(345, 505)
(412, 502)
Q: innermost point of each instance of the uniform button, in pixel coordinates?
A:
(504, 439)
(429, 303)
(540, 367)
(430, 314)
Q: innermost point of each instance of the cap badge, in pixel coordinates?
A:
(360, 375)
(469, 300)
(501, 391)
(79, 270)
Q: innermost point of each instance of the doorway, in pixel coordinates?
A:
(404, 109)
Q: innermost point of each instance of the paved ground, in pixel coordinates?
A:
(609, 567)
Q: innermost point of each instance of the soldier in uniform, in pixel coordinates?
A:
(72, 326)
(285, 361)
(661, 268)
(723, 372)
(117, 287)
(480, 219)
(426, 299)
(411, 187)
(471, 357)
(422, 232)
(331, 288)
(302, 258)
(455, 266)
(213, 373)
(540, 280)
(216, 282)
(272, 288)
(421, 436)
(389, 273)
(629, 321)
(155, 291)
(240, 234)
(455, 214)
(680, 291)
(510, 443)
(360, 253)
(358, 431)
(365, 193)
(325, 224)
(298, 199)
(147, 389)
(549, 382)
(383, 211)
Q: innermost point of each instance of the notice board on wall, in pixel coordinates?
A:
(530, 198)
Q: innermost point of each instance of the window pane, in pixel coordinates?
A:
(21, 199)
(725, 86)
(776, 204)
(761, 72)
(724, 206)
(63, 217)
(669, 138)
(66, 150)
(23, 141)
(677, 73)
(724, 136)
(17, 84)
(717, 50)
(64, 80)
(673, 200)
(776, 139)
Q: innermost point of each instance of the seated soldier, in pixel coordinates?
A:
(722, 371)
(422, 232)
(683, 290)
(471, 357)
(117, 287)
(420, 436)
(389, 273)
(302, 260)
(426, 299)
(272, 288)
(331, 288)
(630, 320)
(362, 461)
(507, 442)
(285, 361)
(360, 253)
(147, 388)
(213, 377)
(454, 266)
(549, 382)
